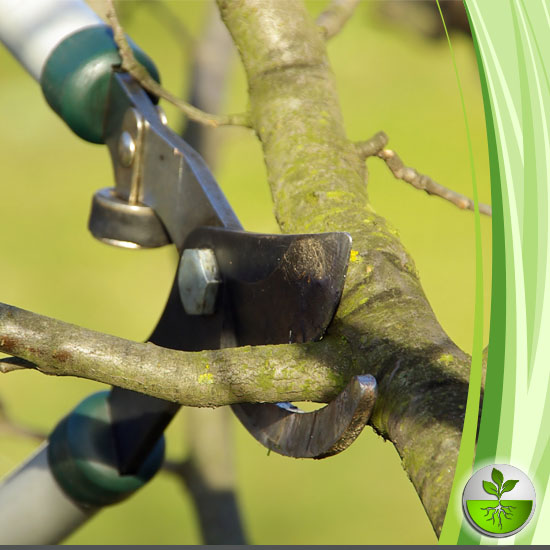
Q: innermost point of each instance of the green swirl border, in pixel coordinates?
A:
(512, 42)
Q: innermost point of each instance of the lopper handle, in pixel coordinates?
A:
(34, 508)
(69, 478)
(71, 52)
(32, 29)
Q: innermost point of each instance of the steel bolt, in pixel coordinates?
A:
(126, 149)
(198, 281)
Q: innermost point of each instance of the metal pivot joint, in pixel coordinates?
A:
(118, 216)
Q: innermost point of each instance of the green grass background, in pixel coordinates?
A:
(388, 78)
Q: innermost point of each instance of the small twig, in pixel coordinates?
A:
(335, 16)
(9, 364)
(374, 147)
(425, 183)
(138, 71)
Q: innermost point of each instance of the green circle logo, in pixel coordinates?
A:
(499, 500)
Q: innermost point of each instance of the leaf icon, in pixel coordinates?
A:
(509, 485)
(497, 477)
(490, 488)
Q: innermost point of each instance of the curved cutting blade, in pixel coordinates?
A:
(289, 431)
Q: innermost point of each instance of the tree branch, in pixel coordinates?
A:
(375, 147)
(372, 146)
(212, 58)
(138, 71)
(318, 182)
(297, 372)
(425, 183)
(335, 16)
(9, 364)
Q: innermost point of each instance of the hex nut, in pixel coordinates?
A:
(198, 281)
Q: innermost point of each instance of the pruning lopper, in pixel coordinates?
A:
(232, 287)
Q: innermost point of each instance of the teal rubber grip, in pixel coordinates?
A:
(75, 79)
(82, 456)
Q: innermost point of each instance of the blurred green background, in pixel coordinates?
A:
(389, 78)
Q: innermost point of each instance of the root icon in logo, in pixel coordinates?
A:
(498, 500)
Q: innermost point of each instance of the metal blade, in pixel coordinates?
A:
(277, 288)
(289, 431)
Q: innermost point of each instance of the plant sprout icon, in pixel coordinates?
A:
(498, 490)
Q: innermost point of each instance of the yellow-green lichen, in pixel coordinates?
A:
(206, 378)
(264, 380)
(340, 195)
(446, 359)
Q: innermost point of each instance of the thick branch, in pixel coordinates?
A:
(296, 372)
(318, 182)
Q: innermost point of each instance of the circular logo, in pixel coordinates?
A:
(498, 500)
